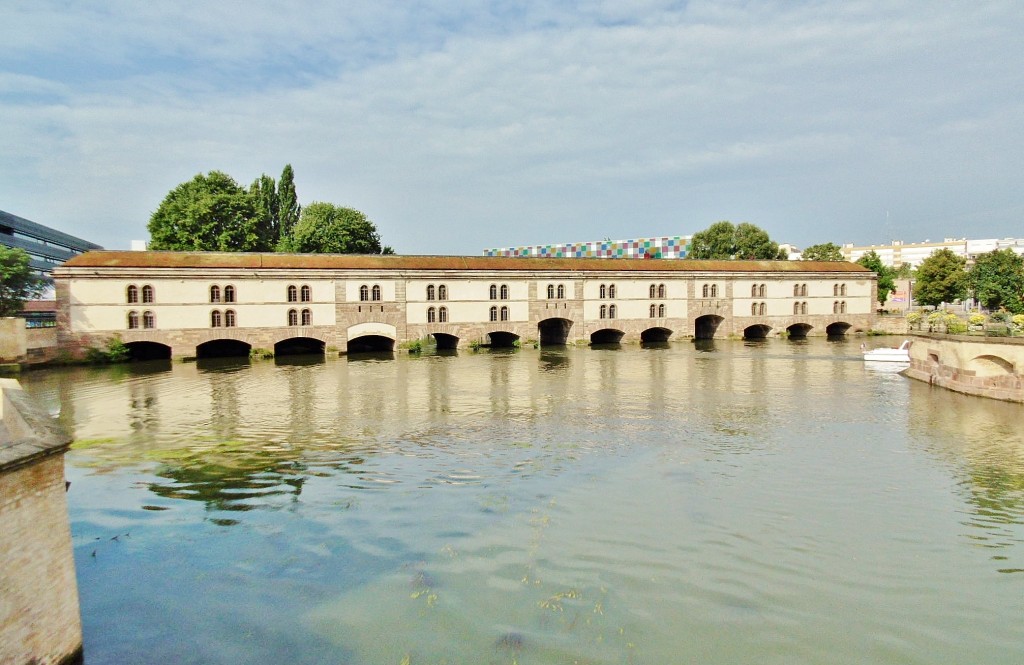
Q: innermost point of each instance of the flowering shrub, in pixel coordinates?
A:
(954, 325)
(1018, 320)
(976, 319)
(913, 317)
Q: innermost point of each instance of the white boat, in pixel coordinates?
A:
(900, 355)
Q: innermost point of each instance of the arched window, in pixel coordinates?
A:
(796, 308)
(661, 311)
(306, 293)
(835, 289)
(842, 289)
(604, 311)
(561, 291)
(364, 293)
(148, 319)
(215, 318)
(132, 294)
(753, 309)
(494, 292)
(753, 290)
(494, 314)
(375, 292)
(430, 291)
(611, 311)
(214, 293)
(133, 320)
(653, 308)
(442, 315)
(551, 291)
(504, 313)
(147, 293)
(835, 307)
(504, 291)
(761, 309)
(653, 290)
(796, 289)
(761, 290)
(293, 293)
(803, 308)
(661, 290)
(431, 314)
(293, 317)
(229, 318)
(842, 307)
(714, 290)
(442, 292)
(307, 317)
(705, 290)
(803, 289)
(229, 293)
(604, 293)
(611, 292)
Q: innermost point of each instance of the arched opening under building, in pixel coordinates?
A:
(148, 351)
(223, 348)
(989, 365)
(837, 329)
(655, 336)
(502, 340)
(294, 346)
(606, 336)
(799, 330)
(370, 344)
(706, 326)
(554, 332)
(758, 331)
(446, 342)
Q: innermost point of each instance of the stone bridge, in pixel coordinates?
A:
(986, 366)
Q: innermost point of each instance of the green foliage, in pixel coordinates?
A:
(828, 251)
(328, 229)
(941, 278)
(116, 351)
(997, 280)
(1018, 320)
(976, 319)
(17, 281)
(268, 211)
(261, 354)
(288, 204)
(723, 241)
(954, 324)
(903, 272)
(913, 317)
(208, 213)
(886, 282)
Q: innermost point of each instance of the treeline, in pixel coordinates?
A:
(212, 212)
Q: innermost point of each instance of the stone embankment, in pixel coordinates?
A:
(39, 615)
(986, 366)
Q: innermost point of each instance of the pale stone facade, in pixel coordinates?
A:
(988, 367)
(181, 299)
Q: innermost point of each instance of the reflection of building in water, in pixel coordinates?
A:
(165, 304)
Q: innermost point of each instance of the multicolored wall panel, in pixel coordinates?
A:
(666, 247)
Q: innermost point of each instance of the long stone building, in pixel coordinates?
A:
(196, 304)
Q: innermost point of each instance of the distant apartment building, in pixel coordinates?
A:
(898, 253)
(47, 248)
(661, 247)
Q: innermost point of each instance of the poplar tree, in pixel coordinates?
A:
(288, 205)
(264, 194)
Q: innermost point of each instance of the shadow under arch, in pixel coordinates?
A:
(554, 331)
(501, 339)
(757, 331)
(606, 336)
(370, 344)
(655, 335)
(445, 342)
(293, 346)
(148, 351)
(706, 326)
(223, 348)
(799, 330)
(837, 329)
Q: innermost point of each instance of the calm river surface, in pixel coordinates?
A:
(771, 502)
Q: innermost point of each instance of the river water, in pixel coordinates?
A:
(725, 502)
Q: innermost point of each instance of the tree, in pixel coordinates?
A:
(268, 211)
(828, 251)
(208, 213)
(886, 279)
(723, 241)
(997, 280)
(328, 229)
(288, 205)
(17, 281)
(941, 278)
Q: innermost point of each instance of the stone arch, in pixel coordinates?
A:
(298, 345)
(502, 339)
(837, 329)
(657, 334)
(799, 330)
(705, 327)
(370, 344)
(146, 350)
(223, 348)
(554, 331)
(445, 342)
(989, 365)
(756, 331)
(606, 336)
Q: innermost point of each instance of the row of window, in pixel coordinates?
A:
(148, 320)
(305, 293)
(440, 314)
(441, 292)
(295, 318)
(227, 319)
(607, 311)
(367, 293)
(132, 294)
(560, 291)
(659, 311)
(710, 291)
(607, 291)
(229, 293)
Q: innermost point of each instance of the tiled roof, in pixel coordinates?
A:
(130, 259)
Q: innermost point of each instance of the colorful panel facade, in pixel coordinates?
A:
(665, 247)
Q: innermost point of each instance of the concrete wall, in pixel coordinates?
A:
(39, 615)
(13, 342)
(986, 366)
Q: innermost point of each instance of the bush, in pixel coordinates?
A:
(913, 317)
(1018, 320)
(976, 319)
(116, 351)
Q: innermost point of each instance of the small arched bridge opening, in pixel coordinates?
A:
(706, 326)
(799, 330)
(371, 344)
(989, 365)
(446, 342)
(500, 339)
(655, 336)
(554, 332)
(148, 351)
(758, 331)
(223, 348)
(606, 336)
(837, 329)
(294, 346)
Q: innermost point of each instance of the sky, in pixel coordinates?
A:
(459, 126)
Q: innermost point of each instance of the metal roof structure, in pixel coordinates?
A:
(47, 248)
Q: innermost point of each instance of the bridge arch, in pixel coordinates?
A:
(445, 341)
(606, 336)
(502, 339)
(704, 327)
(989, 365)
(554, 331)
(145, 350)
(756, 331)
(799, 330)
(837, 329)
(657, 334)
(223, 348)
(371, 337)
(299, 345)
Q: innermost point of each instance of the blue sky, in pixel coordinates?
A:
(458, 126)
